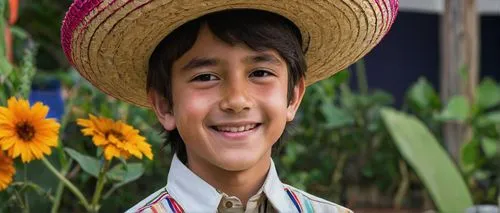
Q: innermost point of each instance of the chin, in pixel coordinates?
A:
(238, 161)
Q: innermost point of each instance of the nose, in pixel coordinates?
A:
(235, 98)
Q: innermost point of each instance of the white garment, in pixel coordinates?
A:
(193, 194)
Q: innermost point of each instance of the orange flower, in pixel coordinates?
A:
(6, 171)
(25, 131)
(116, 138)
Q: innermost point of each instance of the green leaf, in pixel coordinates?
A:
(5, 67)
(489, 119)
(489, 147)
(487, 94)
(19, 32)
(89, 164)
(422, 93)
(341, 77)
(336, 117)
(126, 174)
(457, 109)
(28, 71)
(469, 156)
(2, 27)
(429, 160)
(381, 97)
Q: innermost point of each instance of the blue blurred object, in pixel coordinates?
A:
(49, 93)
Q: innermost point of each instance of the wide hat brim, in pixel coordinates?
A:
(110, 41)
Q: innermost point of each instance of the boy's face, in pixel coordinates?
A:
(229, 103)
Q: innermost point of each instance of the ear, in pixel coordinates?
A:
(298, 94)
(162, 110)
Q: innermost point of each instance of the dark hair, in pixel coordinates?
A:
(259, 30)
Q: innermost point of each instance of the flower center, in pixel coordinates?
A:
(25, 131)
(118, 135)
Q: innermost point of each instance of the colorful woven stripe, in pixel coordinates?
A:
(295, 199)
(301, 203)
(162, 204)
(309, 208)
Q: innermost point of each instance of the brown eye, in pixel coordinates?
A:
(205, 77)
(260, 73)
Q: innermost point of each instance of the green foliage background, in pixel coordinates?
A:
(339, 147)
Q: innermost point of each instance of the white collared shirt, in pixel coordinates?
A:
(192, 194)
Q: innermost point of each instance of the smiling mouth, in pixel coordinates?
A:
(234, 129)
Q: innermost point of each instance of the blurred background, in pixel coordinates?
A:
(413, 127)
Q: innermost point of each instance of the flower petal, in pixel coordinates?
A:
(8, 142)
(110, 151)
(39, 111)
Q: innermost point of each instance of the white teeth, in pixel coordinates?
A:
(235, 128)
(249, 126)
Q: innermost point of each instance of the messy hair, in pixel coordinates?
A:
(259, 30)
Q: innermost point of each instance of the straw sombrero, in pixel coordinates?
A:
(110, 41)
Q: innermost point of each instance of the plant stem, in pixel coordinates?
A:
(26, 201)
(68, 184)
(33, 187)
(19, 199)
(101, 180)
(60, 189)
(361, 76)
(403, 186)
(497, 127)
(337, 175)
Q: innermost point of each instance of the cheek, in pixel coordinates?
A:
(273, 100)
(189, 105)
(275, 95)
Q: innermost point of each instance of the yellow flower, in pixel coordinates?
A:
(116, 138)
(25, 131)
(6, 171)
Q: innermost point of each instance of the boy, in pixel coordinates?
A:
(224, 78)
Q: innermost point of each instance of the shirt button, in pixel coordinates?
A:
(228, 204)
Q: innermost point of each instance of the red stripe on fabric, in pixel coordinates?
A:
(178, 208)
(142, 208)
(160, 198)
(297, 199)
(153, 202)
(153, 208)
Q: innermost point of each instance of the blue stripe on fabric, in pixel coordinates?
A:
(170, 205)
(166, 203)
(289, 193)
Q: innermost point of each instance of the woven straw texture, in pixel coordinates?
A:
(110, 41)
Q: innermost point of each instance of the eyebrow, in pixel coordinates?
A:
(262, 58)
(199, 62)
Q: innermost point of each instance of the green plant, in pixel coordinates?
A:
(341, 133)
(430, 161)
(16, 78)
(480, 156)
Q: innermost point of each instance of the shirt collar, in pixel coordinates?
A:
(189, 190)
(196, 195)
(275, 191)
